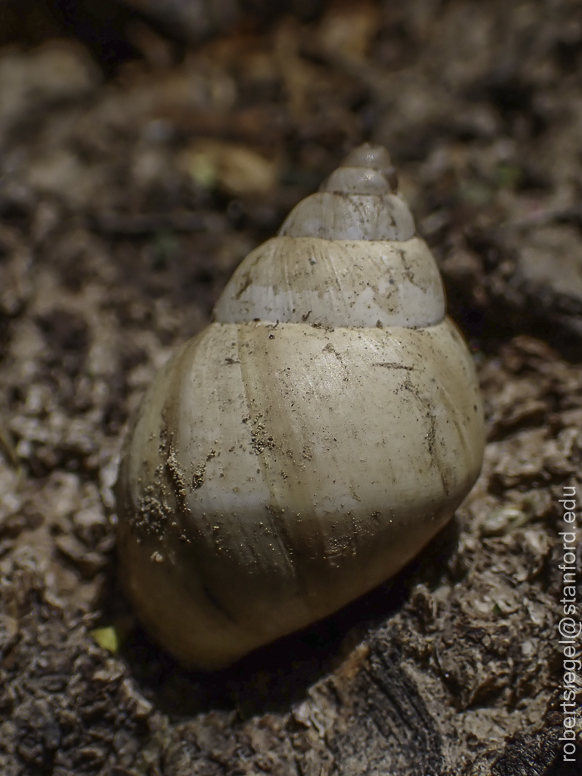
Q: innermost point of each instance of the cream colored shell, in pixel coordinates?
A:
(303, 447)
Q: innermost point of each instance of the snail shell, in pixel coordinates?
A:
(308, 443)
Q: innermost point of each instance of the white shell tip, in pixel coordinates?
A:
(367, 169)
(376, 157)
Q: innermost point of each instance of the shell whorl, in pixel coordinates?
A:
(358, 201)
(346, 256)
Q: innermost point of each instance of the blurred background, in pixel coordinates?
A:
(133, 115)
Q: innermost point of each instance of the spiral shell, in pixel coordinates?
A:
(311, 440)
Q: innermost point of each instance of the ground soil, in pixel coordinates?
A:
(136, 170)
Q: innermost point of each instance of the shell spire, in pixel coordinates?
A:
(367, 169)
(347, 255)
(358, 201)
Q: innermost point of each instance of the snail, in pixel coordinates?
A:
(311, 440)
